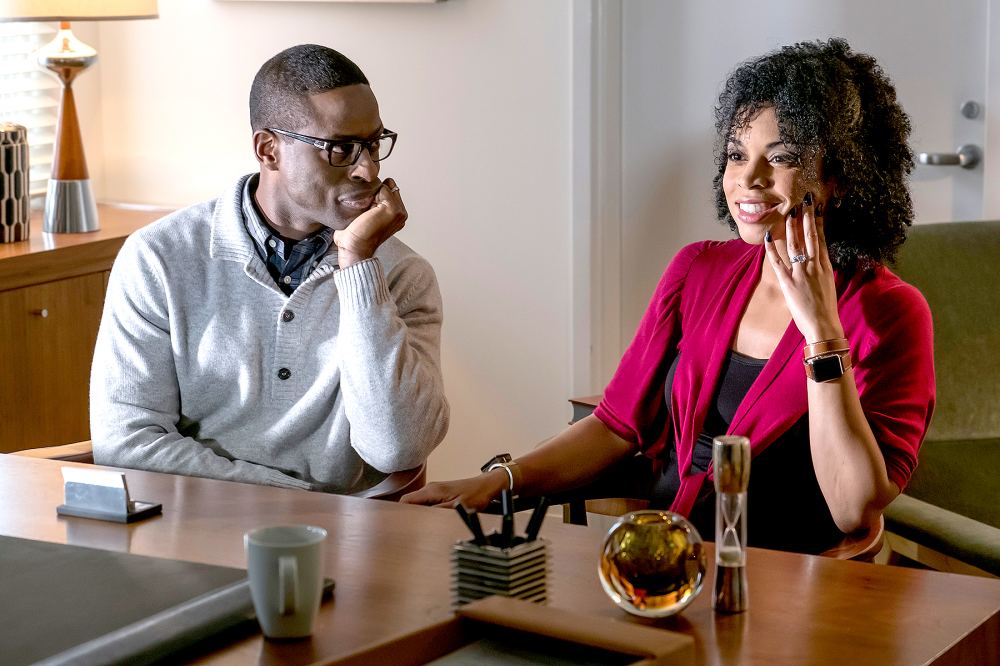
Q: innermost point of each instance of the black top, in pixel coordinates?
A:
(785, 506)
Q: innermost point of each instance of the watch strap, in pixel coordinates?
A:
(825, 347)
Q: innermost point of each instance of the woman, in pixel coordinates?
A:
(794, 334)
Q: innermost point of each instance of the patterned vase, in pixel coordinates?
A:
(15, 200)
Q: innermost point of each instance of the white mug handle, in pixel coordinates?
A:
(288, 581)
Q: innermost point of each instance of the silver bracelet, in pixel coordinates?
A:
(506, 468)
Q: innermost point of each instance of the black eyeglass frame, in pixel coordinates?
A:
(329, 144)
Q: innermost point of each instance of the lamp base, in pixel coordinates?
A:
(70, 207)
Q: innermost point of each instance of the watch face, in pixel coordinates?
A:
(498, 458)
(826, 368)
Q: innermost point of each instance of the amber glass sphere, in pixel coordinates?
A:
(653, 563)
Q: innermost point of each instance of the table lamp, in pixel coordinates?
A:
(69, 203)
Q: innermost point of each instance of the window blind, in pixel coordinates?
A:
(29, 95)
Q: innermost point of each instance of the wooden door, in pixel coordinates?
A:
(47, 336)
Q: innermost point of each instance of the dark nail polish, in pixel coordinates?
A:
(794, 212)
(819, 210)
(767, 235)
(808, 199)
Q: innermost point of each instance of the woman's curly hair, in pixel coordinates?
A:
(832, 101)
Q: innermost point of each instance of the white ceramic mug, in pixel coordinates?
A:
(286, 580)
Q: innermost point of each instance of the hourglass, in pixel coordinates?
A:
(731, 460)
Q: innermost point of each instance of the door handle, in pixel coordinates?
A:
(967, 157)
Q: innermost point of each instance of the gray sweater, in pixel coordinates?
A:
(204, 367)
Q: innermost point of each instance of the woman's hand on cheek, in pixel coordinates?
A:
(807, 281)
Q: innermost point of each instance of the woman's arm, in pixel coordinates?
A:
(633, 404)
(849, 465)
(571, 459)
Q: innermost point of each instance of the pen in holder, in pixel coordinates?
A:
(500, 564)
(731, 460)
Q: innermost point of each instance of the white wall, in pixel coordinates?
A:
(479, 91)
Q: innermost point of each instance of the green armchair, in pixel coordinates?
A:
(949, 515)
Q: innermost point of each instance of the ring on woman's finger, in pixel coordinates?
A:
(799, 258)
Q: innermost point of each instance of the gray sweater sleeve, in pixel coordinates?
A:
(134, 393)
(390, 332)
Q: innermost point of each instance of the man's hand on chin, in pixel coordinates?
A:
(370, 229)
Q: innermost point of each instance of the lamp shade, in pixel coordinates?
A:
(76, 10)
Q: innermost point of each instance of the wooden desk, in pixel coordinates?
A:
(391, 564)
(51, 297)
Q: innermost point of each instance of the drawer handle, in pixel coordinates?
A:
(43, 313)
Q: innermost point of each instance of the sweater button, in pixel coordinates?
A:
(284, 373)
(287, 315)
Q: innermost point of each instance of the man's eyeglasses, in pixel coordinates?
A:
(346, 153)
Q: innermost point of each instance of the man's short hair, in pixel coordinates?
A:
(283, 84)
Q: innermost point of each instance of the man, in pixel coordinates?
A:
(279, 334)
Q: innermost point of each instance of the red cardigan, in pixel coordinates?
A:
(696, 310)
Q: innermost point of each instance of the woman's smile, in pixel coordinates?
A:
(752, 211)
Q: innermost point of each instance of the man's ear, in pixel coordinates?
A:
(266, 149)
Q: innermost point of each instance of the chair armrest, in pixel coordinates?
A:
(948, 533)
(81, 452)
(397, 484)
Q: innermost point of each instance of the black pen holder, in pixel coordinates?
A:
(520, 571)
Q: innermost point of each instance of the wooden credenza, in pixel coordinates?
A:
(51, 296)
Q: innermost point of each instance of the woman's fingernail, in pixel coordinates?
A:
(767, 236)
(819, 210)
(794, 212)
(808, 199)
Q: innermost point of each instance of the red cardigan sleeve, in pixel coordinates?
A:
(633, 406)
(895, 373)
